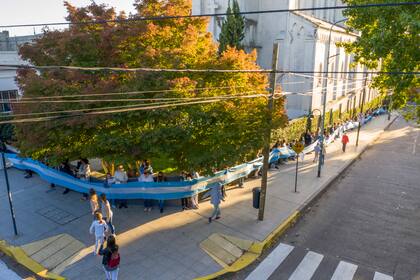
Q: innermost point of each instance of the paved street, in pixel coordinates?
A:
(366, 226)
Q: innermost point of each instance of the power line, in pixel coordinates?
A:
(155, 18)
(131, 93)
(171, 70)
(119, 100)
(122, 110)
(85, 110)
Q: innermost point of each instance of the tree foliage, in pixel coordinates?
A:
(389, 40)
(199, 137)
(233, 29)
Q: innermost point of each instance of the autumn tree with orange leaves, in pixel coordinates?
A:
(194, 137)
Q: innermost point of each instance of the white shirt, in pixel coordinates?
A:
(106, 210)
(146, 178)
(98, 228)
(120, 177)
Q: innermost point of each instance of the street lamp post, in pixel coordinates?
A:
(324, 95)
(9, 194)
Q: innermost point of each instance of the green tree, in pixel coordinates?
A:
(233, 28)
(389, 41)
(199, 137)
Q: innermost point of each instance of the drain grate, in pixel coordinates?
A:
(56, 215)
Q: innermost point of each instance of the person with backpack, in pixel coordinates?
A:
(98, 227)
(111, 258)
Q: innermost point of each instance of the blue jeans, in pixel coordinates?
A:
(216, 211)
(110, 225)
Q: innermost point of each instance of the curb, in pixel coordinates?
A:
(20, 256)
(257, 248)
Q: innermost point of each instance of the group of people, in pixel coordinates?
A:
(103, 230)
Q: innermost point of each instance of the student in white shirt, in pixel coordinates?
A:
(98, 228)
(148, 178)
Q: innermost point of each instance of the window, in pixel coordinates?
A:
(6, 96)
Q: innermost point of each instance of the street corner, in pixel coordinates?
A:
(48, 257)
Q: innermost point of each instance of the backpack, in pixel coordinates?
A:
(113, 262)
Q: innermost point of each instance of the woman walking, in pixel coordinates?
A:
(110, 259)
(94, 203)
(98, 227)
(107, 213)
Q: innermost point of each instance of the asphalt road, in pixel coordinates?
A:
(366, 226)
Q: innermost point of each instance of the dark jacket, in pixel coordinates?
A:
(106, 253)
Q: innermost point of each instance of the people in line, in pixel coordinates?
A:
(147, 177)
(83, 169)
(159, 179)
(98, 228)
(145, 166)
(216, 197)
(185, 201)
(120, 177)
(317, 150)
(28, 174)
(322, 156)
(94, 202)
(107, 213)
(194, 197)
(83, 172)
(66, 168)
(109, 180)
(110, 258)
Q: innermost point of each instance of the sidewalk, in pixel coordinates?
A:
(166, 246)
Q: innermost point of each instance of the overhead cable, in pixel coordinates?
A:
(171, 70)
(122, 110)
(163, 17)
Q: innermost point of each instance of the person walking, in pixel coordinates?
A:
(216, 197)
(344, 141)
(317, 149)
(98, 227)
(94, 202)
(107, 213)
(324, 152)
(111, 258)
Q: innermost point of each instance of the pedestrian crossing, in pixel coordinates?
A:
(293, 263)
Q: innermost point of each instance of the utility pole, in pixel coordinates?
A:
(9, 194)
(267, 136)
(361, 110)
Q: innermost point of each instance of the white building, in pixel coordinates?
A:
(9, 56)
(303, 40)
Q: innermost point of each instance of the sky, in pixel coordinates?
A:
(42, 11)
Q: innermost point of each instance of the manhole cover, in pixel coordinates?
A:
(56, 215)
